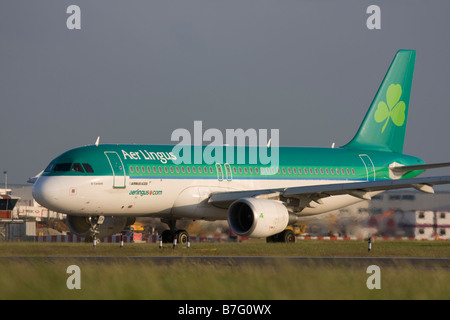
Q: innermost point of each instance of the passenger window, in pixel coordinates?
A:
(131, 169)
(159, 169)
(77, 167)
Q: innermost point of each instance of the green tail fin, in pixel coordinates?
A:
(384, 125)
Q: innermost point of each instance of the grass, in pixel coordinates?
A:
(250, 248)
(38, 279)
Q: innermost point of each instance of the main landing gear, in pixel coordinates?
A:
(284, 236)
(181, 235)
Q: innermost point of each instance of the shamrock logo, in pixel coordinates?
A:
(394, 109)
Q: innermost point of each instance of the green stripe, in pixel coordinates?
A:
(160, 156)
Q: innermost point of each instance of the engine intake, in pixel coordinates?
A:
(258, 218)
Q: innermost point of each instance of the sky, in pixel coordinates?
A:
(139, 69)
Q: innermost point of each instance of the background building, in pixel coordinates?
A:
(406, 213)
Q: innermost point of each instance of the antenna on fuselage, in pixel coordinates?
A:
(97, 141)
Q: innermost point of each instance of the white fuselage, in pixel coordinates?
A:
(177, 198)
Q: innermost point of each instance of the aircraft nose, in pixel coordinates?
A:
(46, 191)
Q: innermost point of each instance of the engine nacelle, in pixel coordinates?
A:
(81, 226)
(258, 218)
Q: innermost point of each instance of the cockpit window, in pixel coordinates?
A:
(62, 167)
(77, 167)
(88, 167)
(49, 167)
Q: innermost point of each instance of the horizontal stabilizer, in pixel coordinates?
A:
(403, 169)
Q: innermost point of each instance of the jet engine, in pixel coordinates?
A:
(81, 226)
(258, 218)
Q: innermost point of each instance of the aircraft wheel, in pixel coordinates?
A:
(287, 236)
(284, 236)
(182, 236)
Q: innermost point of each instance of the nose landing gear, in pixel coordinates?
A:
(95, 223)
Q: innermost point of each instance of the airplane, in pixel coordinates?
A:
(104, 187)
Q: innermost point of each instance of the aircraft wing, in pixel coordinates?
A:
(315, 193)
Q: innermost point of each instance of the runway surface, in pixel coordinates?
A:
(243, 260)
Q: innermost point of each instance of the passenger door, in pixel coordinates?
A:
(118, 170)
